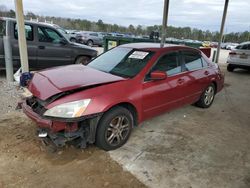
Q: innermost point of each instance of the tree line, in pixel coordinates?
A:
(100, 26)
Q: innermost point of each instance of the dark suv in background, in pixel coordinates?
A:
(90, 38)
(47, 45)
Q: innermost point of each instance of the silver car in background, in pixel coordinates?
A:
(90, 38)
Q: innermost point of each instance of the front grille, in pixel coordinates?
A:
(36, 105)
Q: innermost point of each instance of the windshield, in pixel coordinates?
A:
(63, 32)
(124, 62)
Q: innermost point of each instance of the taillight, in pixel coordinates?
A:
(232, 53)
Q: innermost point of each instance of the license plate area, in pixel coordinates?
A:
(243, 56)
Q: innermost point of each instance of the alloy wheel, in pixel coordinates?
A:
(209, 95)
(118, 130)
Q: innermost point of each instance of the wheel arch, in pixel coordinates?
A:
(215, 85)
(129, 106)
(81, 55)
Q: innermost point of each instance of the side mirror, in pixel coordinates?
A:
(63, 41)
(158, 75)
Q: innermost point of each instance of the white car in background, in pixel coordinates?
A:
(239, 57)
(231, 46)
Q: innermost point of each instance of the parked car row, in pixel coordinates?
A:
(47, 44)
(92, 38)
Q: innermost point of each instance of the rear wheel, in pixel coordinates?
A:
(230, 68)
(114, 128)
(207, 97)
(84, 60)
(90, 43)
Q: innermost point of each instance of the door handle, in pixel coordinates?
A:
(180, 81)
(41, 47)
(206, 73)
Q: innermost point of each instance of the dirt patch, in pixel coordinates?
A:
(24, 162)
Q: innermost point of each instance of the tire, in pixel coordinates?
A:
(90, 43)
(73, 40)
(117, 122)
(230, 68)
(84, 60)
(207, 97)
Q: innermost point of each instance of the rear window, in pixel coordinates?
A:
(28, 32)
(193, 60)
(2, 28)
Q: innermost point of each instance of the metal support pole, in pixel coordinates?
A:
(8, 58)
(164, 22)
(222, 30)
(21, 36)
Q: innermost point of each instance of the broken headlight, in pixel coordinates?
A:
(68, 110)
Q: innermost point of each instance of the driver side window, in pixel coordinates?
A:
(48, 35)
(169, 63)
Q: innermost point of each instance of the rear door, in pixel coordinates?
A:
(95, 38)
(50, 51)
(198, 73)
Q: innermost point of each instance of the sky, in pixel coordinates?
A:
(202, 14)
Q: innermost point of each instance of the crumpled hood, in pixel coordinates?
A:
(53, 81)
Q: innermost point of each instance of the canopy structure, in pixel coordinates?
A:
(165, 19)
(23, 44)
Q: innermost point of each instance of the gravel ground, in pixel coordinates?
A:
(10, 95)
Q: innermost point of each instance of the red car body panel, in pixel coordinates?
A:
(149, 98)
(53, 81)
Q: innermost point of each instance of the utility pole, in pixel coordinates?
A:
(8, 54)
(164, 22)
(21, 36)
(221, 30)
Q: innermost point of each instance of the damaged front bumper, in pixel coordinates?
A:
(78, 132)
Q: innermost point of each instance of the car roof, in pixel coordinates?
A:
(29, 22)
(243, 43)
(153, 46)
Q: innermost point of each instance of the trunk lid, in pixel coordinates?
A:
(53, 81)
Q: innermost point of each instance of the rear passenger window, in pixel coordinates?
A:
(246, 47)
(93, 34)
(192, 60)
(28, 32)
(169, 63)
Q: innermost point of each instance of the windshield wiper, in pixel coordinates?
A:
(119, 74)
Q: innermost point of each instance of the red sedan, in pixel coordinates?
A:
(100, 103)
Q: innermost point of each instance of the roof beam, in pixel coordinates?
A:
(222, 30)
(21, 36)
(164, 22)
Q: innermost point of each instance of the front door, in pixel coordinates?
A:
(162, 95)
(50, 51)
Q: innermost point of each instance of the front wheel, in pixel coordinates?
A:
(207, 97)
(84, 60)
(114, 128)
